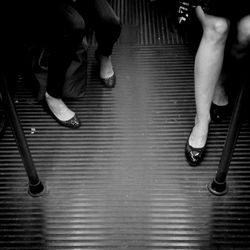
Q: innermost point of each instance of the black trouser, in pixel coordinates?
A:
(98, 15)
(61, 27)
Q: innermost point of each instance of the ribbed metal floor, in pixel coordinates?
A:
(121, 181)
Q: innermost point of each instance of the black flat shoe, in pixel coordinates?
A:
(73, 123)
(193, 155)
(218, 113)
(109, 82)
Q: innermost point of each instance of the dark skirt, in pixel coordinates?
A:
(233, 10)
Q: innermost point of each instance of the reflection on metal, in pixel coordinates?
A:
(121, 181)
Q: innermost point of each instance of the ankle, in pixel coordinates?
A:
(106, 67)
(198, 136)
(202, 121)
(201, 126)
(104, 58)
(48, 97)
(221, 101)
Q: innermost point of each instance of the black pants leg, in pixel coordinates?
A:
(57, 26)
(100, 16)
(63, 41)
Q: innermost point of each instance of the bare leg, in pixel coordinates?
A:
(220, 97)
(238, 51)
(208, 65)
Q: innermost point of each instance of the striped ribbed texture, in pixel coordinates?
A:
(152, 21)
(121, 181)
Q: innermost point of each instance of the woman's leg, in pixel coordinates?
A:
(64, 38)
(208, 65)
(107, 26)
(240, 49)
(107, 30)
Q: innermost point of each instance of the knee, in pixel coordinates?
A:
(216, 30)
(112, 26)
(244, 30)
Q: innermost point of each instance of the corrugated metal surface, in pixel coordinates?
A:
(121, 181)
(154, 21)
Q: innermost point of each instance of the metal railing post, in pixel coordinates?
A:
(36, 187)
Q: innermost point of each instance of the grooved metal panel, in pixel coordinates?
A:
(121, 181)
(152, 20)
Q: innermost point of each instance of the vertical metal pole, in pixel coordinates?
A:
(218, 186)
(36, 188)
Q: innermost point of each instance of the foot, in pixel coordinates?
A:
(107, 74)
(196, 144)
(59, 108)
(106, 67)
(60, 112)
